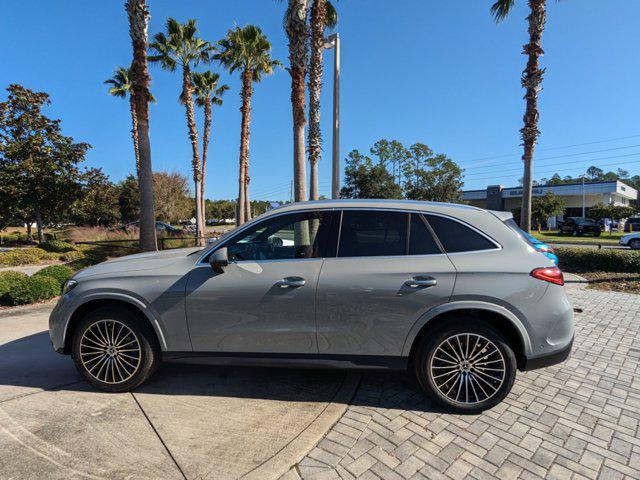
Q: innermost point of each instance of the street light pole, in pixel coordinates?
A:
(334, 42)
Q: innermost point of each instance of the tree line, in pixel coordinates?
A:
(395, 171)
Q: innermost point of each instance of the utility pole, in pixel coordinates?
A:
(583, 206)
(333, 41)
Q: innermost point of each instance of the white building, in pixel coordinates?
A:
(575, 195)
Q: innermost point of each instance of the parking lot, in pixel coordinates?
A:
(575, 420)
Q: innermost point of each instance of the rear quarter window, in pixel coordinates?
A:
(456, 237)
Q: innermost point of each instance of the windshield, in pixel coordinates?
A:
(585, 221)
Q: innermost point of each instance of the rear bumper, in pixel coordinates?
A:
(558, 356)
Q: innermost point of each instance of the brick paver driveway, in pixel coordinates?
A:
(575, 420)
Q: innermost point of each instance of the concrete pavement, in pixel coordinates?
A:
(187, 422)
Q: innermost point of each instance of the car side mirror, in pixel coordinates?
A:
(219, 259)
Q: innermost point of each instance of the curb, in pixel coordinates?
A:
(283, 461)
(573, 281)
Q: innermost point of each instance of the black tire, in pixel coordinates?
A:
(425, 359)
(135, 334)
(634, 244)
(596, 234)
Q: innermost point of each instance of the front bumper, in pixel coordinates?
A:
(58, 322)
(548, 359)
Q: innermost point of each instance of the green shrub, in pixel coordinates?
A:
(60, 272)
(31, 290)
(57, 246)
(21, 256)
(72, 256)
(8, 280)
(51, 256)
(593, 260)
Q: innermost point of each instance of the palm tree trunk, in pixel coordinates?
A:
(205, 148)
(247, 200)
(245, 110)
(318, 14)
(296, 27)
(138, 24)
(531, 79)
(134, 132)
(187, 88)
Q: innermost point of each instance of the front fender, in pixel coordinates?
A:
(466, 305)
(68, 308)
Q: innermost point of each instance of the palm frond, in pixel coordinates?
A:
(246, 48)
(331, 16)
(500, 10)
(180, 45)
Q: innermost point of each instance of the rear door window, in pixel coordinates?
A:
(373, 233)
(421, 241)
(456, 237)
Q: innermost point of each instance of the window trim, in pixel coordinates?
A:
(203, 259)
(202, 262)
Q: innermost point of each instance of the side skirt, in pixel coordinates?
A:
(378, 362)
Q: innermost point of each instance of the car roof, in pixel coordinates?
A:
(439, 207)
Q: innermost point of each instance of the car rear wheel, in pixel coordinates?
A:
(114, 350)
(635, 244)
(467, 368)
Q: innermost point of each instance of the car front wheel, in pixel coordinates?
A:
(635, 244)
(467, 368)
(114, 350)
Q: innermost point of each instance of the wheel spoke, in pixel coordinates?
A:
(102, 353)
(467, 368)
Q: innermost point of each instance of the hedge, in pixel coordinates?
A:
(60, 272)
(582, 259)
(8, 280)
(57, 246)
(31, 290)
(72, 256)
(21, 256)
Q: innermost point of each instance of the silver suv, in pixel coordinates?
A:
(453, 293)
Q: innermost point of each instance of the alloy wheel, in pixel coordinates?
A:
(467, 368)
(110, 351)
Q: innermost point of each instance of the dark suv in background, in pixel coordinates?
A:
(632, 224)
(578, 226)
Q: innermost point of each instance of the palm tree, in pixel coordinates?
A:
(246, 49)
(182, 47)
(207, 93)
(295, 25)
(531, 80)
(138, 14)
(323, 15)
(121, 87)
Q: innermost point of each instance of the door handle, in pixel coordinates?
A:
(421, 282)
(291, 282)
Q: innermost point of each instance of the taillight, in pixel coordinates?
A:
(549, 274)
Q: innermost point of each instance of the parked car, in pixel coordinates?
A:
(632, 224)
(578, 226)
(161, 228)
(449, 292)
(631, 240)
(544, 248)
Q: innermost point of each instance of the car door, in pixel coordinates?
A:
(389, 270)
(264, 301)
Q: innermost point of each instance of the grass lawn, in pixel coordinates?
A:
(554, 237)
(613, 282)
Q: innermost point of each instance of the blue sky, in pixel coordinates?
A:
(438, 72)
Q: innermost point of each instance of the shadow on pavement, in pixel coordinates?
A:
(30, 362)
